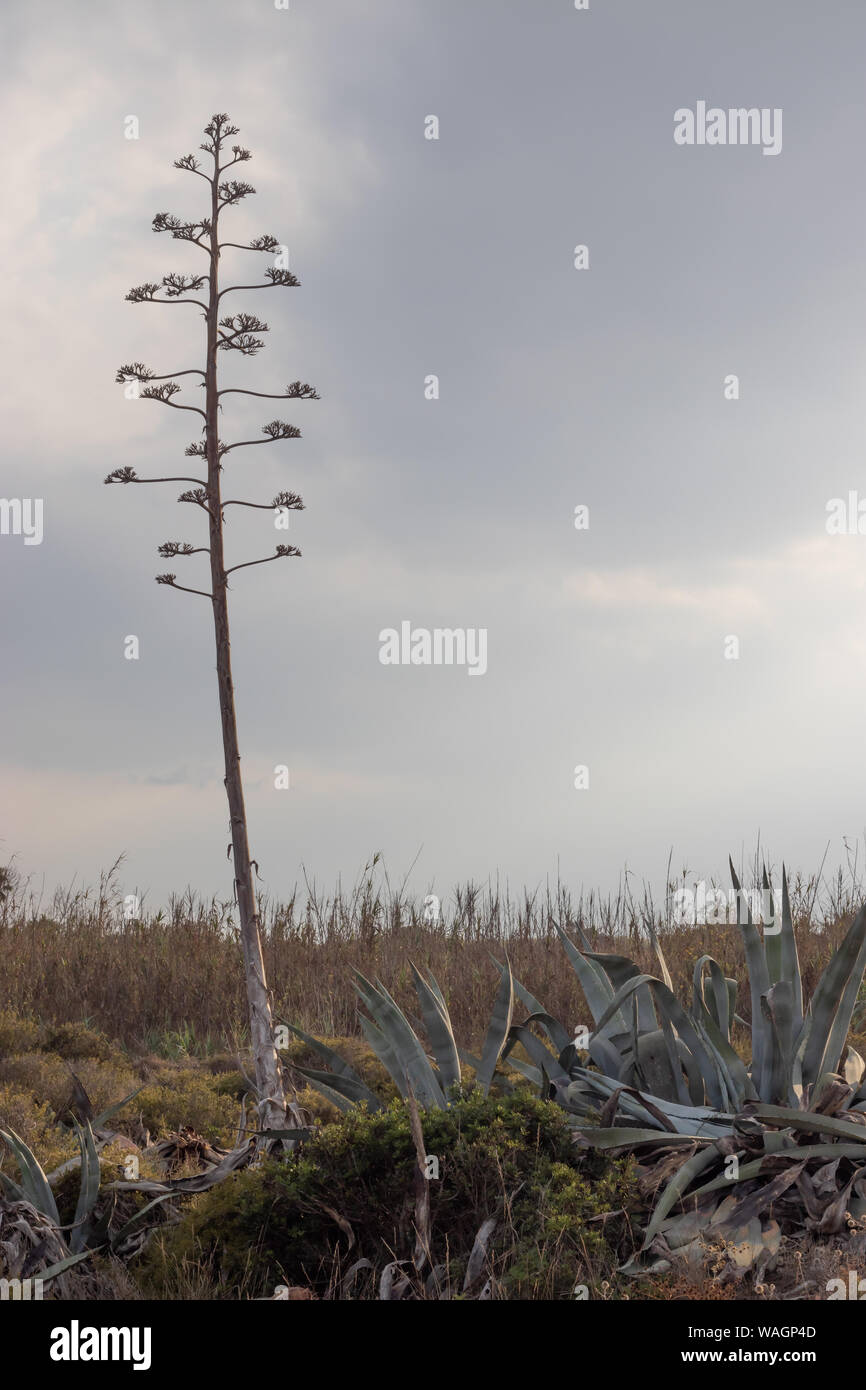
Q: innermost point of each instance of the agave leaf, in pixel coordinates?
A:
(759, 983)
(596, 987)
(403, 1035)
(657, 1074)
(678, 1184)
(410, 1056)
(675, 1063)
(853, 1067)
(755, 1167)
(614, 1007)
(754, 1203)
(750, 1245)
(545, 1020)
(99, 1229)
(342, 1091)
(802, 1042)
(383, 1050)
(738, 1081)
(681, 1231)
(624, 1100)
(829, 1094)
(478, 1255)
(558, 1035)
(12, 1188)
(606, 1085)
(88, 1192)
(660, 956)
(605, 1056)
(470, 1060)
(540, 1054)
(337, 1063)
(778, 1008)
(834, 1001)
(790, 955)
(62, 1265)
(497, 1031)
(438, 1024)
(619, 969)
(630, 1072)
(567, 1058)
(667, 1001)
(646, 1103)
(772, 939)
(809, 1122)
(33, 1180)
(718, 1003)
(628, 1138)
(728, 1097)
(732, 1001)
(379, 1042)
(101, 1119)
(834, 1217)
(390, 1287)
(354, 1270)
(136, 1216)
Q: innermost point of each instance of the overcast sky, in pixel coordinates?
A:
(559, 387)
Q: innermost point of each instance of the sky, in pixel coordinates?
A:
(608, 387)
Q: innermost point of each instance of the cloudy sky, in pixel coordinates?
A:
(558, 388)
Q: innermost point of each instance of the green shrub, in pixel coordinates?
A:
(47, 1077)
(512, 1158)
(74, 1041)
(230, 1083)
(35, 1123)
(576, 1213)
(189, 1097)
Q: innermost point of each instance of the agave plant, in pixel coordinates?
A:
(89, 1230)
(667, 1081)
(397, 1045)
(683, 1060)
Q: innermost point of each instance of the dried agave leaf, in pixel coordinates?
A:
(477, 1258)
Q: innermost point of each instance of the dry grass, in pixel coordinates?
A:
(171, 981)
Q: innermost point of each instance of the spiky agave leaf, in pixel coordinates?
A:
(437, 1021)
(498, 1029)
(832, 1005)
(409, 1061)
(81, 1233)
(342, 1085)
(33, 1187)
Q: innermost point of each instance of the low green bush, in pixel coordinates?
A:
(190, 1098)
(349, 1194)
